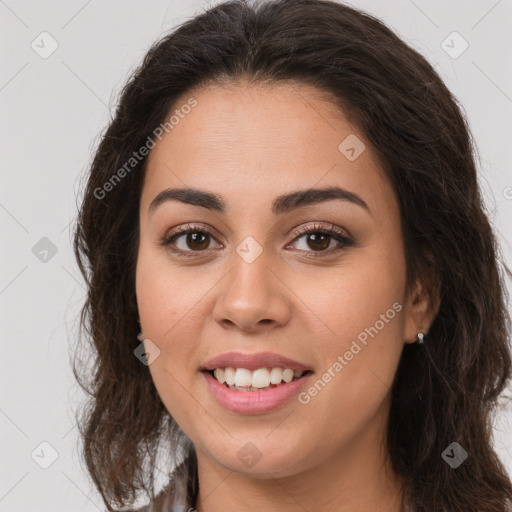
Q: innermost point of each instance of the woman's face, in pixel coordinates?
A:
(248, 282)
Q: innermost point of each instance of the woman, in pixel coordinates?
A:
(294, 291)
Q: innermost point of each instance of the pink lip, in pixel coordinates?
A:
(253, 361)
(253, 402)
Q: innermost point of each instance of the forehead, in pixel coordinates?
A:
(258, 141)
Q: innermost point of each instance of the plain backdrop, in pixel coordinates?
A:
(53, 108)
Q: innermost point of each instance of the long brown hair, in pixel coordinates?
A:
(445, 390)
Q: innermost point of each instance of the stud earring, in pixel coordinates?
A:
(140, 336)
(420, 337)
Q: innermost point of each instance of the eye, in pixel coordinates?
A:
(320, 239)
(188, 240)
(195, 239)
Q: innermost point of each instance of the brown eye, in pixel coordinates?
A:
(192, 240)
(197, 240)
(321, 240)
(188, 240)
(318, 241)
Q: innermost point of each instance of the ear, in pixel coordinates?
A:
(421, 306)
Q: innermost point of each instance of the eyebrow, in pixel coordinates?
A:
(282, 204)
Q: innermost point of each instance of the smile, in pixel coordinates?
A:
(243, 379)
(249, 399)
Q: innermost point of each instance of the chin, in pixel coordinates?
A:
(260, 463)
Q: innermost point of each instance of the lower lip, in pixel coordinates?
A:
(254, 402)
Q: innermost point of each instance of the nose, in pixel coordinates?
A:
(252, 297)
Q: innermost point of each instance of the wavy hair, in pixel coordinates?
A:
(445, 390)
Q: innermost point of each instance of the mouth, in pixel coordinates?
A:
(259, 379)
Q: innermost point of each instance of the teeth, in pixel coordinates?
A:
(229, 375)
(243, 377)
(261, 378)
(288, 375)
(276, 375)
(220, 375)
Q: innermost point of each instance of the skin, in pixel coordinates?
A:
(250, 144)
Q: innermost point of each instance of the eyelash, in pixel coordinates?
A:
(338, 235)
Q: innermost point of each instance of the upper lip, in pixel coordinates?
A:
(252, 361)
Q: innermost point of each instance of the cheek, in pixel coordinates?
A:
(361, 341)
(159, 302)
(166, 299)
(351, 298)
(172, 305)
(164, 293)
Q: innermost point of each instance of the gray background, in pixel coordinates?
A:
(53, 110)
